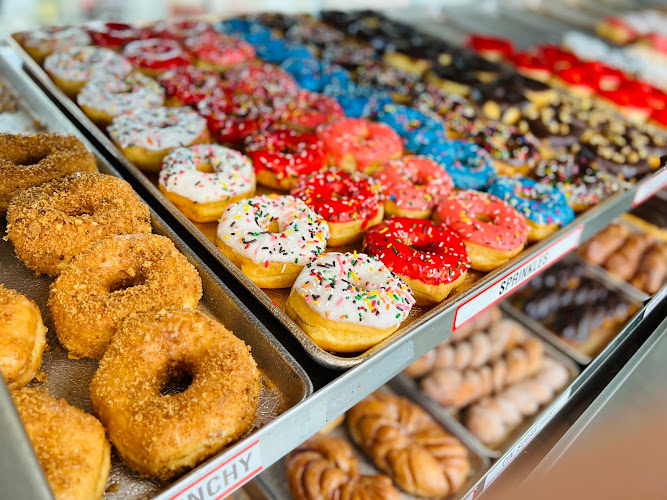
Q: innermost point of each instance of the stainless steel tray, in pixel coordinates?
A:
(285, 383)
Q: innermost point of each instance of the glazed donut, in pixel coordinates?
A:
(22, 338)
(305, 111)
(160, 434)
(180, 30)
(355, 144)
(492, 231)
(145, 136)
(430, 257)
(417, 130)
(413, 186)
(70, 445)
(260, 80)
(49, 224)
(348, 302)
(113, 278)
(468, 165)
(42, 42)
(350, 203)
(115, 35)
(544, 207)
(270, 238)
(512, 152)
(188, 85)
(314, 75)
(203, 180)
(70, 69)
(30, 160)
(281, 156)
(217, 51)
(156, 55)
(106, 96)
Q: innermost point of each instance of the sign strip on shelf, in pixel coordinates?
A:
(657, 298)
(649, 187)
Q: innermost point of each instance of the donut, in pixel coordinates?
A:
(314, 32)
(348, 302)
(115, 35)
(44, 41)
(457, 113)
(468, 165)
(146, 135)
(30, 160)
(357, 101)
(413, 186)
(305, 111)
(512, 152)
(22, 338)
(113, 278)
(156, 55)
(49, 224)
(356, 144)
(251, 31)
(544, 207)
(106, 96)
(180, 30)
(402, 86)
(494, 48)
(314, 75)
(70, 69)
(349, 54)
(70, 445)
(417, 130)
(188, 85)
(158, 433)
(270, 238)
(281, 156)
(493, 232)
(203, 179)
(260, 80)
(429, 257)
(217, 51)
(349, 202)
(277, 51)
(532, 66)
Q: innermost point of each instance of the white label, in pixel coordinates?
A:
(657, 298)
(649, 187)
(496, 291)
(471, 495)
(226, 477)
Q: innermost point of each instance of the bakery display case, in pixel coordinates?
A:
(580, 316)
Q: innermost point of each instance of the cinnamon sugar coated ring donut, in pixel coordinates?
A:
(22, 338)
(113, 278)
(30, 160)
(188, 85)
(430, 257)
(218, 51)
(70, 445)
(493, 231)
(348, 302)
(51, 223)
(160, 434)
(156, 55)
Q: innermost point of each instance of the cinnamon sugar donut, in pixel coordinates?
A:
(113, 278)
(49, 224)
(159, 434)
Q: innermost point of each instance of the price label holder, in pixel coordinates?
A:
(650, 187)
(657, 298)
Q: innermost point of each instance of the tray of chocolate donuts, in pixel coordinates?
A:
(355, 175)
(128, 361)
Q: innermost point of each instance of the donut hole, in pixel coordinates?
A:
(176, 379)
(205, 167)
(124, 281)
(483, 218)
(32, 158)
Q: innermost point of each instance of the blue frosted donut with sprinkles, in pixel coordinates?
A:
(417, 129)
(469, 166)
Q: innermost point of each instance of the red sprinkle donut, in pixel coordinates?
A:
(116, 35)
(188, 85)
(264, 79)
(349, 202)
(493, 47)
(556, 57)
(492, 230)
(307, 110)
(430, 257)
(356, 144)
(280, 157)
(180, 30)
(218, 51)
(155, 55)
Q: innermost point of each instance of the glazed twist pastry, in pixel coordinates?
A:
(598, 249)
(624, 262)
(452, 387)
(407, 444)
(652, 272)
(326, 468)
(492, 419)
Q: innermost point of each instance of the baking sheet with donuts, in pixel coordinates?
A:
(283, 385)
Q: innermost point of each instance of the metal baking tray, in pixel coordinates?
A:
(285, 383)
(272, 483)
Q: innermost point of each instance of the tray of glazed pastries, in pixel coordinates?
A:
(385, 447)
(129, 362)
(343, 169)
(493, 376)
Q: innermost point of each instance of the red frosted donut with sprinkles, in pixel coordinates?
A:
(430, 257)
(204, 179)
(115, 36)
(263, 79)
(413, 186)
(305, 111)
(357, 144)
(349, 202)
(281, 156)
(156, 55)
(493, 231)
(348, 302)
(188, 85)
(219, 52)
(271, 238)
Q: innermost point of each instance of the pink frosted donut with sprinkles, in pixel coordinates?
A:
(145, 136)
(204, 179)
(413, 186)
(271, 238)
(219, 52)
(348, 302)
(44, 41)
(156, 55)
(306, 110)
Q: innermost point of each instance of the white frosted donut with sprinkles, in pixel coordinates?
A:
(348, 302)
(270, 238)
(204, 179)
(43, 41)
(146, 136)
